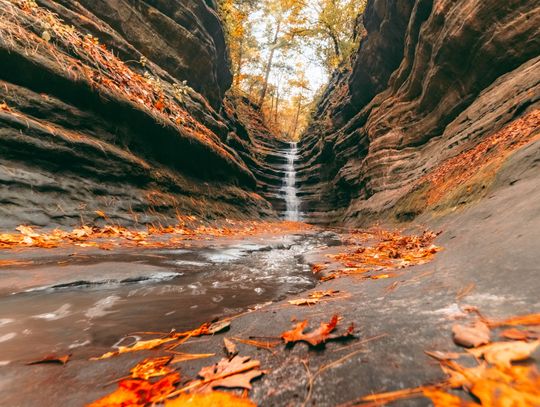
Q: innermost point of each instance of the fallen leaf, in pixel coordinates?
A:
(520, 335)
(471, 336)
(230, 348)
(149, 368)
(183, 357)
(136, 392)
(259, 344)
(101, 214)
(61, 360)
(317, 336)
(213, 399)
(217, 327)
(304, 301)
(440, 398)
(532, 319)
(503, 353)
(137, 346)
(317, 295)
(237, 372)
(514, 386)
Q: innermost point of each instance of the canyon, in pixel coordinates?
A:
(120, 115)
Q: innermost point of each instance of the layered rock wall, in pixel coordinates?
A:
(432, 80)
(116, 107)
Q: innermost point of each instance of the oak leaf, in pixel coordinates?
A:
(237, 372)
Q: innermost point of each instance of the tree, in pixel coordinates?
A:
(285, 16)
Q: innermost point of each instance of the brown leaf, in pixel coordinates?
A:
(61, 360)
(235, 373)
(213, 399)
(183, 357)
(304, 301)
(471, 336)
(230, 348)
(503, 353)
(317, 336)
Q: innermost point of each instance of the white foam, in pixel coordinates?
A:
(60, 313)
(101, 308)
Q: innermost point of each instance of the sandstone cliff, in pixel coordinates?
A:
(439, 95)
(116, 107)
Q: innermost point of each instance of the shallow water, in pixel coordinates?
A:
(96, 300)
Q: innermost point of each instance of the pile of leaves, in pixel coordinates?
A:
(111, 236)
(156, 380)
(380, 249)
(504, 373)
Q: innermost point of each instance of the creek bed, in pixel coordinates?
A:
(61, 304)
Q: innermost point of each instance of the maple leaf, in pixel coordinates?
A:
(61, 360)
(135, 392)
(304, 301)
(213, 399)
(503, 353)
(149, 368)
(471, 336)
(317, 336)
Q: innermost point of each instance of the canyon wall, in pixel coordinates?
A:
(439, 95)
(113, 111)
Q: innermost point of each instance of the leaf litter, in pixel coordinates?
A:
(495, 381)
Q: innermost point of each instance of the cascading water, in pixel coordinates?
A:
(292, 211)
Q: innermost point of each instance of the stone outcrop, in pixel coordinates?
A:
(96, 117)
(431, 81)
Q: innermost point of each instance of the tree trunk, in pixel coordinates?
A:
(238, 72)
(269, 64)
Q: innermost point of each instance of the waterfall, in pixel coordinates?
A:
(292, 202)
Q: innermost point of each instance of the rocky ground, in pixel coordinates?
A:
(488, 260)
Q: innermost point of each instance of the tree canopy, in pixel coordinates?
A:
(283, 52)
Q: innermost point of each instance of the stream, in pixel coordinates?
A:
(64, 302)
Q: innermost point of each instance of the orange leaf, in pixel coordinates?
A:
(532, 319)
(213, 399)
(317, 336)
(149, 368)
(135, 392)
(61, 360)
